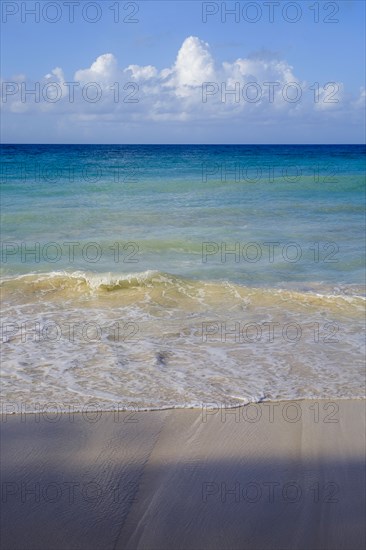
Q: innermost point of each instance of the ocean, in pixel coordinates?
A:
(151, 277)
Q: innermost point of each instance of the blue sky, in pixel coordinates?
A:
(173, 52)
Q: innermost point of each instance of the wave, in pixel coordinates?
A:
(82, 281)
(93, 281)
(155, 339)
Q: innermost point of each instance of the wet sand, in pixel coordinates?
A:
(272, 476)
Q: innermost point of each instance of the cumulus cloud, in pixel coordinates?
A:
(57, 74)
(103, 70)
(141, 73)
(194, 65)
(260, 87)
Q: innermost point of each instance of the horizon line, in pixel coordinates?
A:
(193, 144)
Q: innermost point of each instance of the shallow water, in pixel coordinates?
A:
(184, 281)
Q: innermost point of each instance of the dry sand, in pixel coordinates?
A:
(273, 476)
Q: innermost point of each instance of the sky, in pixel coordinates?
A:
(187, 71)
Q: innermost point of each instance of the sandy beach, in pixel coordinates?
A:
(285, 475)
(182, 276)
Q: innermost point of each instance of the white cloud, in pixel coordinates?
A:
(141, 73)
(329, 96)
(57, 73)
(194, 65)
(360, 102)
(103, 69)
(175, 93)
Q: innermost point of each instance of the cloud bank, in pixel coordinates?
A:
(195, 90)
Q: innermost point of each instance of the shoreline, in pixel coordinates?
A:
(222, 405)
(174, 479)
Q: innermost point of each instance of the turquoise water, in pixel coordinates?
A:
(158, 198)
(170, 239)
